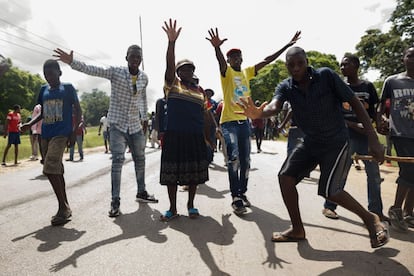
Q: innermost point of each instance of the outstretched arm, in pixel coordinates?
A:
(170, 29)
(216, 42)
(274, 56)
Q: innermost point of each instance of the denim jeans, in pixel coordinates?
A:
(79, 142)
(118, 143)
(360, 146)
(237, 138)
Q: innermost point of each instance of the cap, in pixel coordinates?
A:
(184, 62)
(233, 51)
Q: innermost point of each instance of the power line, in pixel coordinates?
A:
(21, 46)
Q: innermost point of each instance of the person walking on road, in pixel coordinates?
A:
(127, 117)
(399, 90)
(80, 131)
(236, 127)
(316, 97)
(358, 140)
(184, 149)
(104, 127)
(59, 105)
(12, 132)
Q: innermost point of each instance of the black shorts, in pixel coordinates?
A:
(332, 161)
(405, 148)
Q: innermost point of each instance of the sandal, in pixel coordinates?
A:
(193, 213)
(168, 215)
(61, 219)
(381, 237)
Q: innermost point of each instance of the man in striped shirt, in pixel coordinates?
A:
(127, 117)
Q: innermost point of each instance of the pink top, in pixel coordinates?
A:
(37, 128)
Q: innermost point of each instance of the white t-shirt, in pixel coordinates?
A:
(104, 122)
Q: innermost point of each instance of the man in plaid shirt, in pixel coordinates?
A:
(127, 117)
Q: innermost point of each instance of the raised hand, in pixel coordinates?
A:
(214, 38)
(63, 56)
(171, 30)
(295, 38)
(250, 109)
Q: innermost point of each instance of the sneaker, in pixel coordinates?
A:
(238, 206)
(330, 213)
(409, 220)
(397, 220)
(246, 202)
(146, 198)
(114, 212)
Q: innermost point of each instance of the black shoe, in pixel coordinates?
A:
(238, 206)
(114, 212)
(146, 198)
(246, 202)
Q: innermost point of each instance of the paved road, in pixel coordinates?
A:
(217, 243)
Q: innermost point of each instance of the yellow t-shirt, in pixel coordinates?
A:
(235, 85)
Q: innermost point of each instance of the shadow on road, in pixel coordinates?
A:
(143, 222)
(52, 237)
(204, 230)
(376, 263)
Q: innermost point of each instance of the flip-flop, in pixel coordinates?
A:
(193, 213)
(381, 237)
(61, 219)
(280, 237)
(168, 215)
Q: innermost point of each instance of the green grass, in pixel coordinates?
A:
(92, 139)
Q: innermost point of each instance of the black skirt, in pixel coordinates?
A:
(183, 159)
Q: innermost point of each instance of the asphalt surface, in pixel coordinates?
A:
(216, 243)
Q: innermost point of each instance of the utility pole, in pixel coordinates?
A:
(142, 45)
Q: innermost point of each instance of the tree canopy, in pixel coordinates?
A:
(94, 106)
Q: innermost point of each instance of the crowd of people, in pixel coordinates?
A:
(325, 118)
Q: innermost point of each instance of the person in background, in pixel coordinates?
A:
(161, 118)
(12, 131)
(80, 131)
(258, 129)
(59, 107)
(358, 140)
(104, 127)
(388, 148)
(316, 97)
(235, 84)
(127, 118)
(35, 137)
(399, 89)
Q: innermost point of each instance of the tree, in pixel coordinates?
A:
(383, 51)
(94, 106)
(18, 87)
(264, 84)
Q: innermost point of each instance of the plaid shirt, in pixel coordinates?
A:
(127, 108)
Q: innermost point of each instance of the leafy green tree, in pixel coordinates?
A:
(383, 51)
(18, 87)
(93, 106)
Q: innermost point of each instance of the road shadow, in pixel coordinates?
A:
(267, 222)
(52, 237)
(204, 230)
(210, 192)
(39, 177)
(379, 262)
(142, 222)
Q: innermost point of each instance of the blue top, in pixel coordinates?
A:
(57, 105)
(318, 111)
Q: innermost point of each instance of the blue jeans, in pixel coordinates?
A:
(237, 138)
(79, 142)
(118, 143)
(360, 146)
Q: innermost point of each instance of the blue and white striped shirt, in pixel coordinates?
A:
(127, 108)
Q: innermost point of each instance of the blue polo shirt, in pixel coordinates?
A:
(318, 112)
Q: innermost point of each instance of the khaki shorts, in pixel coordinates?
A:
(53, 149)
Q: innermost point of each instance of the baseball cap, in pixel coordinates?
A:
(233, 51)
(184, 62)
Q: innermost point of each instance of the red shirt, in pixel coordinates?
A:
(14, 121)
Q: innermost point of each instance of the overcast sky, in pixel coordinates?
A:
(100, 31)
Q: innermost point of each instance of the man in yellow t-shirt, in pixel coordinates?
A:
(235, 127)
